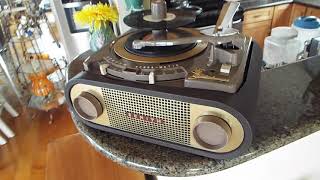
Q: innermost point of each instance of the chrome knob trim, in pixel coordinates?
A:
(87, 106)
(211, 132)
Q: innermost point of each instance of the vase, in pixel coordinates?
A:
(134, 5)
(100, 37)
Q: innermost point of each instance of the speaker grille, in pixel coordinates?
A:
(132, 112)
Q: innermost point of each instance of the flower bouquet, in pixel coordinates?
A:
(98, 17)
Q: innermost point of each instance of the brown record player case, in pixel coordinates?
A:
(173, 86)
(241, 104)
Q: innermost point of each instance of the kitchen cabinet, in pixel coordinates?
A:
(258, 15)
(302, 10)
(257, 23)
(281, 15)
(259, 31)
(297, 11)
(311, 11)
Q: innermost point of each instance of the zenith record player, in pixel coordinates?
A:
(173, 86)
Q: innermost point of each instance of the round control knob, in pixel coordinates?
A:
(87, 106)
(211, 132)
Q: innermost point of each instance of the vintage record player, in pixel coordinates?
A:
(173, 86)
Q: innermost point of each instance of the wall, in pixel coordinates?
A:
(74, 43)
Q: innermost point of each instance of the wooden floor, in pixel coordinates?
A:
(25, 156)
(72, 157)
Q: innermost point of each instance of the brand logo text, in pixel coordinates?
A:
(145, 118)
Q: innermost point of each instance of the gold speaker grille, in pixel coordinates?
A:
(150, 116)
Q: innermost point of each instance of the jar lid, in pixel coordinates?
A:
(284, 32)
(307, 22)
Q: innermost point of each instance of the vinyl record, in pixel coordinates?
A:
(175, 18)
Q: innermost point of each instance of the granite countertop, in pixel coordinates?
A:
(314, 3)
(288, 109)
(255, 4)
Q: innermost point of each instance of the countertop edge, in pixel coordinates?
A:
(258, 6)
(265, 5)
(111, 156)
(307, 4)
(294, 136)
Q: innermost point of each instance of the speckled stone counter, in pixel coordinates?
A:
(314, 3)
(255, 4)
(288, 109)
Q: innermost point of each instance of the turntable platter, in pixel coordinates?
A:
(123, 48)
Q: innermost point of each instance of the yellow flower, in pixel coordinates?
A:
(96, 15)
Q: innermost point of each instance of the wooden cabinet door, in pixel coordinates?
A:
(297, 11)
(258, 31)
(313, 12)
(281, 15)
(258, 15)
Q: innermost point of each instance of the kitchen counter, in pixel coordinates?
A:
(255, 4)
(313, 3)
(288, 110)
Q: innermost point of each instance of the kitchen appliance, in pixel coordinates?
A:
(308, 27)
(312, 51)
(281, 47)
(313, 47)
(173, 86)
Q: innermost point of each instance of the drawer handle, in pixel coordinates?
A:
(256, 16)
